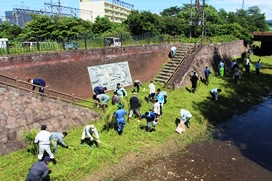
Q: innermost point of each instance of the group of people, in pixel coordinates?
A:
(158, 99)
(39, 170)
(235, 68)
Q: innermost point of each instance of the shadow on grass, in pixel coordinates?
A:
(249, 91)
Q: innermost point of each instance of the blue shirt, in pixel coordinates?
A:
(207, 72)
(160, 98)
(57, 136)
(99, 90)
(120, 91)
(119, 114)
(150, 117)
(39, 81)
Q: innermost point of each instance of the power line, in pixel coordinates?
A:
(123, 4)
(57, 9)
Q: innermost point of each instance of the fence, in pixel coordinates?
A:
(43, 44)
(50, 93)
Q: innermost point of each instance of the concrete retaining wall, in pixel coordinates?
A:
(208, 55)
(67, 71)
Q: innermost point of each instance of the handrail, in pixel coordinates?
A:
(50, 93)
(197, 44)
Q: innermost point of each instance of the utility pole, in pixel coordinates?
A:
(203, 19)
(23, 21)
(191, 21)
(59, 9)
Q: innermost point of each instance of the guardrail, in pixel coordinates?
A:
(197, 44)
(50, 93)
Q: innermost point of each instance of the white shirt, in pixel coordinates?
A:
(43, 138)
(156, 108)
(151, 88)
(184, 114)
(247, 61)
(173, 48)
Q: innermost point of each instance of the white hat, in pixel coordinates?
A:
(92, 127)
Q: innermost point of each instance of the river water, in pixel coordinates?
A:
(241, 151)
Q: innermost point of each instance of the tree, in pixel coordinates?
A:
(171, 25)
(101, 25)
(39, 25)
(172, 11)
(9, 31)
(257, 19)
(142, 22)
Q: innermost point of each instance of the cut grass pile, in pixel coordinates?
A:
(76, 164)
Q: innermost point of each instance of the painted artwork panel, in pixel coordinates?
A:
(108, 75)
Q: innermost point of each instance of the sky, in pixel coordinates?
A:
(155, 6)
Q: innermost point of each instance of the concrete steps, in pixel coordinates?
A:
(170, 67)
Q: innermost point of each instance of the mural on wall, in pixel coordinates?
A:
(108, 75)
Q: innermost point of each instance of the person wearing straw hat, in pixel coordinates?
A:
(119, 114)
(90, 130)
(39, 170)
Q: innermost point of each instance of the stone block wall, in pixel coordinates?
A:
(21, 111)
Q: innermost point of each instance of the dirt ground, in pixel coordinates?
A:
(217, 160)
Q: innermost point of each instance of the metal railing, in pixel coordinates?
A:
(46, 44)
(48, 92)
(196, 45)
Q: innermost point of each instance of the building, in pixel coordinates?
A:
(18, 19)
(116, 13)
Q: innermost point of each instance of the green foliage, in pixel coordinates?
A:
(172, 11)
(9, 31)
(142, 22)
(29, 137)
(101, 25)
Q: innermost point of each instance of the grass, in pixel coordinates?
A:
(84, 162)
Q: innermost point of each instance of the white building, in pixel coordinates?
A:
(102, 8)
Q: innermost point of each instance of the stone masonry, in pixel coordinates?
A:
(22, 111)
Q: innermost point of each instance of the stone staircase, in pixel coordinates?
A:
(171, 66)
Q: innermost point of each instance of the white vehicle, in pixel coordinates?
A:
(3, 42)
(113, 42)
(29, 44)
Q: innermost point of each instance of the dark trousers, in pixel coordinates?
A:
(257, 71)
(152, 95)
(206, 80)
(213, 96)
(236, 78)
(136, 87)
(247, 71)
(160, 109)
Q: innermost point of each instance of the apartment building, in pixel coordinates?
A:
(115, 13)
